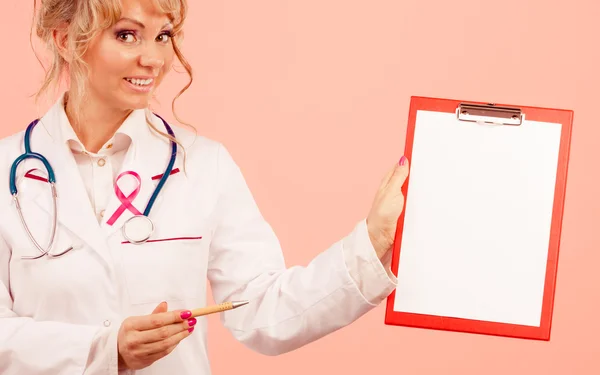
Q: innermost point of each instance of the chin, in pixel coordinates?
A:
(139, 104)
(132, 103)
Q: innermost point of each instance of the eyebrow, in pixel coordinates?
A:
(140, 24)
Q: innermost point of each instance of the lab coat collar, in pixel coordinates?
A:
(147, 155)
(125, 135)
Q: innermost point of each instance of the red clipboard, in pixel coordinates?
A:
(419, 315)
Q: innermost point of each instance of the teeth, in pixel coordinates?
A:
(140, 82)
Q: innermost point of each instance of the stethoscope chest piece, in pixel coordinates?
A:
(138, 229)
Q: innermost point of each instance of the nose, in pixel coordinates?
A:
(152, 58)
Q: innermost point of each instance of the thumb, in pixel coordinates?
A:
(162, 307)
(399, 175)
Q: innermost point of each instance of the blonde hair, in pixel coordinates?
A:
(84, 20)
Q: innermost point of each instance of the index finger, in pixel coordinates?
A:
(153, 321)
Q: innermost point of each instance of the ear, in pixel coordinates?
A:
(60, 38)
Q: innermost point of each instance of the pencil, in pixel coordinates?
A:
(218, 308)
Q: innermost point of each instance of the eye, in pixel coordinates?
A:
(126, 36)
(164, 37)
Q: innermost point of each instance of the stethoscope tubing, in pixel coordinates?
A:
(27, 154)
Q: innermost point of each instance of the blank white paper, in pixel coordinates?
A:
(477, 221)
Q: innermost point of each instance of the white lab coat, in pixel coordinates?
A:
(59, 315)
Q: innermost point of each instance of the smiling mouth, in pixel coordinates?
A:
(140, 82)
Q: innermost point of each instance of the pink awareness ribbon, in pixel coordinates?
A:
(125, 200)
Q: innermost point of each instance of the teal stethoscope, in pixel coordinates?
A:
(136, 230)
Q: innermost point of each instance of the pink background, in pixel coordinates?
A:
(311, 97)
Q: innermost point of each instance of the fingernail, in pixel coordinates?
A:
(402, 160)
(191, 322)
(190, 330)
(186, 314)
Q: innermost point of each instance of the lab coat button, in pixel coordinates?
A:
(101, 162)
(107, 323)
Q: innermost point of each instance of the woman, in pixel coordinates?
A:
(110, 306)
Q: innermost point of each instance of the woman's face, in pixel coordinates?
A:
(129, 60)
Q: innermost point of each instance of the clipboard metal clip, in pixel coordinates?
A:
(489, 114)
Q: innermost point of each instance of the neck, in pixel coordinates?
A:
(95, 122)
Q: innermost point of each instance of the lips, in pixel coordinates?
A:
(142, 82)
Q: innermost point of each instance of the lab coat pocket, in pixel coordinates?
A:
(163, 269)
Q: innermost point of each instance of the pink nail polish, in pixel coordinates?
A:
(190, 330)
(186, 314)
(191, 322)
(402, 160)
